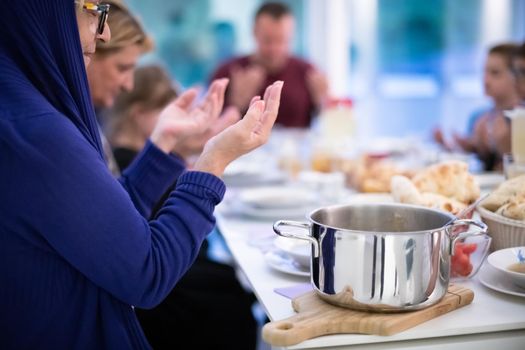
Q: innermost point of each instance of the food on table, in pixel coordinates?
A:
(323, 162)
(508, 199)
(460, 261)
(517, 267)
(404, 191)
(371, 173)
(291, 166)
(447, 186)
(450, 179)
(514, 209)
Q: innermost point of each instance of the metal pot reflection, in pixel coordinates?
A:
(380, 257)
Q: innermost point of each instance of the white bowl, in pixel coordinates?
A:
(297, 249)
(475, 258)
(502, 259)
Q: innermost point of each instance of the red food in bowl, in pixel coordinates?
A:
(460, 261)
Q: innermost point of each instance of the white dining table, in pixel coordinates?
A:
(493, 320)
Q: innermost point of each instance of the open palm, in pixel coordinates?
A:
(182, 118)
(193, 145)
(245, 135)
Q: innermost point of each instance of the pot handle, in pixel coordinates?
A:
(277, 229)
(464, 222)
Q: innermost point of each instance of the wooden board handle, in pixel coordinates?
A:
(316, 318)
(297, 328)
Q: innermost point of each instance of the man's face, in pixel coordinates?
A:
(111, 74)
(518, 65)
(498, 78)
(273, 38)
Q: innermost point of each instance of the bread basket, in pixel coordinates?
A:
(505, 232)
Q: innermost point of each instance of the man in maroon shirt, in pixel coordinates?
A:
(305, 87)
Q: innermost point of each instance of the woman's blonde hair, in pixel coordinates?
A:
(126, 30)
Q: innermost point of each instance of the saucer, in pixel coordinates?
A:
(277, 197)
(493, 279)
(272, 214)
(282, 262)
(297, 249)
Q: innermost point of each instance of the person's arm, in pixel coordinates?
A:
(221, 72)
(476, 142)
(66, 194)
(159, 169)
(156, 163)
(465, 143)
(318, 86)
(437, 135)
(194, 146)
(59, 187)
(252, 131)
(245, 82)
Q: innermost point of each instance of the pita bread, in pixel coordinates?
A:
(446, 186)
(450, 179)
(510, 190)
(438, 201)
(513, 210)
(404, 191)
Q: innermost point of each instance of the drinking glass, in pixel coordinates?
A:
(512, 167)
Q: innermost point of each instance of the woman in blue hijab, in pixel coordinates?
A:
(76, 252)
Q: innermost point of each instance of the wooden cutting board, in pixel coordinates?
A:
(315, 318)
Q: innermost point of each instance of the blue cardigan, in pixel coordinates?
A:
(75, 253)
(76, 249)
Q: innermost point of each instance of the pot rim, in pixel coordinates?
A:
(337, 206)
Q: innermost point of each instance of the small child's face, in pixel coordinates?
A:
(498, 78)
(519, 72)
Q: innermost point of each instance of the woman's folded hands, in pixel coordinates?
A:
(187, 128)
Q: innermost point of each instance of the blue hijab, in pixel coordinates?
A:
(41, 64)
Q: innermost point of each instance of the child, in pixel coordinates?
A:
(490, 134)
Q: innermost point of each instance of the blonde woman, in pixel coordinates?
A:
(75, 252)
(112, 66)
(111, 72)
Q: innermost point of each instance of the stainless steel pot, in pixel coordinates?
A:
(380, 257)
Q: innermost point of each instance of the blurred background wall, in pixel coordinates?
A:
(409, 65)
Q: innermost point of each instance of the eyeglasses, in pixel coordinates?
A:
(102, 10)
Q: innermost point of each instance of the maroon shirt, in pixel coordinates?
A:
(297, 107)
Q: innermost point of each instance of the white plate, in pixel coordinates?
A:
(251, 171)
(502, 259)
(273, 214)
(245, 179)
(281, 261)
(493, 279)
(298, 249)
(277, 197)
